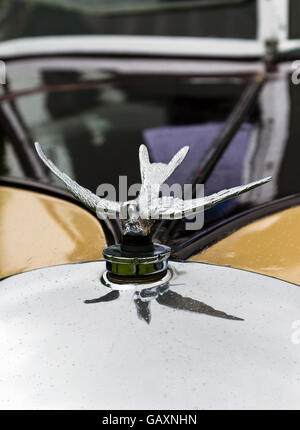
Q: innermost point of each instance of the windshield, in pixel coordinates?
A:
(199, 18)
(92, 123)
(121, 6)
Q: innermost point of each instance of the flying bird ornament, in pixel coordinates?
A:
(137, 259)
(138, 215)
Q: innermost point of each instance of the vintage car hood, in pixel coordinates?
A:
(217, 338)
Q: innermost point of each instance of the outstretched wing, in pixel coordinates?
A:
(88, 198)
(169, 207)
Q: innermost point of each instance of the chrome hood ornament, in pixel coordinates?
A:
(140, 257)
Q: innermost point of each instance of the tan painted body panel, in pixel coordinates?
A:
(37, 230)
(270, 246)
